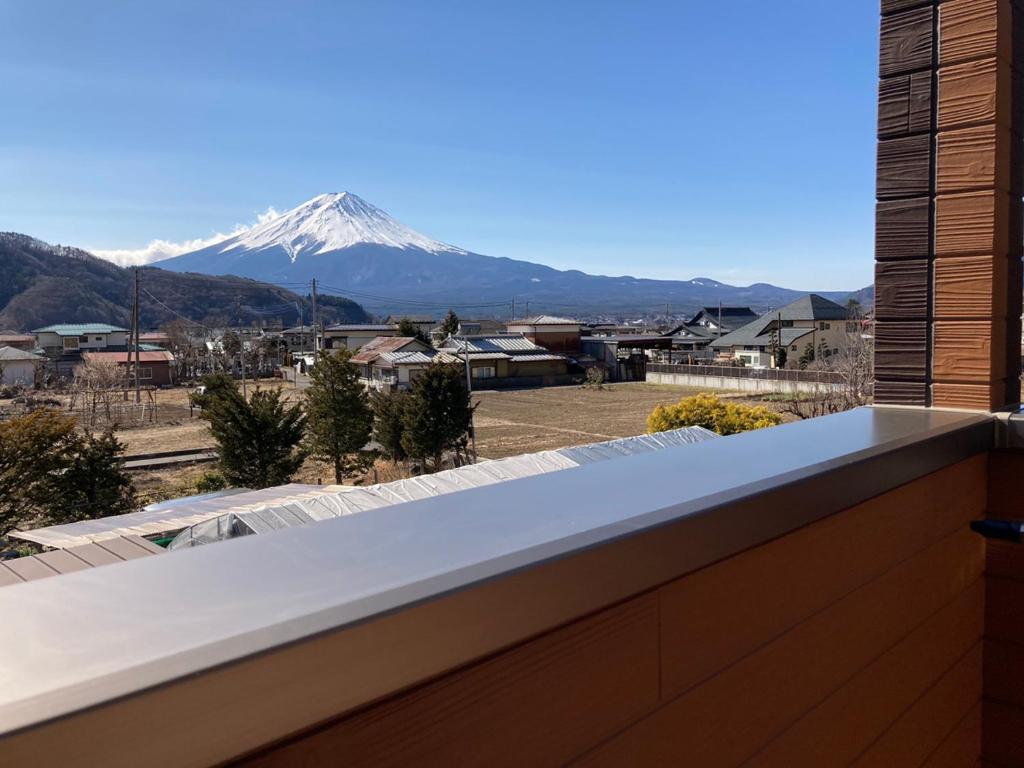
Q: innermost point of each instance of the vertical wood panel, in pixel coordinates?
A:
(538, 704)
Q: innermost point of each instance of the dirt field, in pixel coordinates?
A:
(507, 424)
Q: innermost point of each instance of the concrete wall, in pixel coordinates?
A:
(736, 384)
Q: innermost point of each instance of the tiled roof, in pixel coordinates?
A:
(374, 347)
(536, 358)
(361, 327)
(809, 307)
(80, 329)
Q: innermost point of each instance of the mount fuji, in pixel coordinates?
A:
(353, 247)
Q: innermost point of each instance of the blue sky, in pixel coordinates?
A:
(732, 140)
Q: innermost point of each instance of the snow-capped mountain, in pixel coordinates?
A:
(351, 246)
(332, 222)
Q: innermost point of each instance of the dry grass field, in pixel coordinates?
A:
(507, 424)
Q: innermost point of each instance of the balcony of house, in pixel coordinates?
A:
(809, 594)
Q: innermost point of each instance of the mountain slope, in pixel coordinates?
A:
(352, 246)
(45, 284)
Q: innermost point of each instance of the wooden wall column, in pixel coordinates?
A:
(950, 223)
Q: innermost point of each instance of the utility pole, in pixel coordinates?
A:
(135, 326)
(316, 341)
(469, 386)
(527, 309)
(513, 317)
(241, 352)
(719, 319)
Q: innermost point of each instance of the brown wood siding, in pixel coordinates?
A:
(855, 638)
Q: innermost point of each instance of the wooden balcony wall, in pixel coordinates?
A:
(1004, 621)
(856, 640)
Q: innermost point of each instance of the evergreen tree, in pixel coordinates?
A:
(94, 484)
(338, 416)
(257, 441)
(389, 423)
(33, 449)
(216, 385)
(807, 357)
(781, 357)
(408, 329)
(450, 324)
(439, 415)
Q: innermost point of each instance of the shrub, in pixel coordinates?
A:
(210, 482)
(708, 411)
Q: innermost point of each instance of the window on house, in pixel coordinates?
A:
(84, 339)
(484, 372)
(823, 326)
(145, 373)
(787, 323)
(70, 342)
(793, 347)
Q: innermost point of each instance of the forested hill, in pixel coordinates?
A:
(45, 284)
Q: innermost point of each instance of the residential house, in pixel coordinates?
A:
(155, 367)
(58, 340)
(393, 362)
(506, 359)
(557, 334)
(811, 321)
(155, 339)
(424, 323)
(722, 319)
(354, 336)
(18, 367)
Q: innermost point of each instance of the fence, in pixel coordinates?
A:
(742, 372)
(741, 378)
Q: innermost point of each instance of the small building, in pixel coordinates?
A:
(557, 334)
(354, 336)
(23, 341)
(392, 362)
(18, 367)
(154, 366)
(812, 321)
(57, 340)
(506, 360)
(155, 339)
(424, 323)
(722, 319)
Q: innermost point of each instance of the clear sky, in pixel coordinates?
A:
(732, 140)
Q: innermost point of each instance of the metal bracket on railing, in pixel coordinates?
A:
(1003, 530)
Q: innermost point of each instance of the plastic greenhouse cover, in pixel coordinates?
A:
(347, 500)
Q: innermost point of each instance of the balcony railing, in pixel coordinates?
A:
(654, 606)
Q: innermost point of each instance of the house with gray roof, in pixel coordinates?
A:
(811, 321)
(18, 367)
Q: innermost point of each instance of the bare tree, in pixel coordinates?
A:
(854, 363)
(96, 384)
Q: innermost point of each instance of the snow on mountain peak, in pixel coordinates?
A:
(330, 222)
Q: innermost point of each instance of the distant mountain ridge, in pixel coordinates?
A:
(352, 246)
(45, 284)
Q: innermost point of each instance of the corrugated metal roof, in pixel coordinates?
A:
(536, 358)
(454, 356)
(10, 353)
(510, 342)
(544, 320)
(408, 358)
(80, 329)
(167, 517)
(46, 564)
